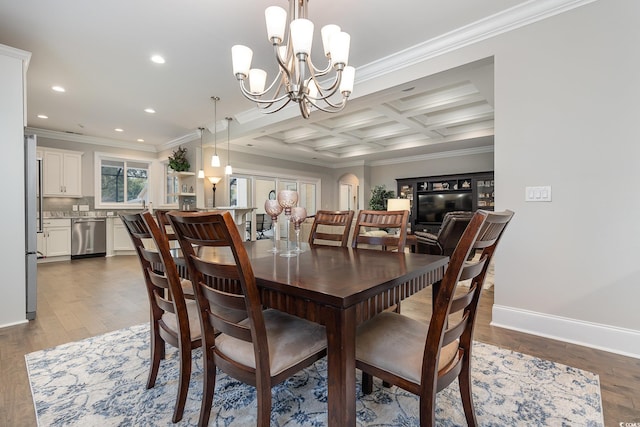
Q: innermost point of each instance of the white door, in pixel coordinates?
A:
(345, 197)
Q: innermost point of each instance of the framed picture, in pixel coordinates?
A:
(272, 195)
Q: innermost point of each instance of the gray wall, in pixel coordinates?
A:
(566, 92)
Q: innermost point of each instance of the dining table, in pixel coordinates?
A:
(338, 287)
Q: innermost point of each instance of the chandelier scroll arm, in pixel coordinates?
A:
(251, 96)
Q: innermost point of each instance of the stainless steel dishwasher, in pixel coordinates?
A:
(88, 237)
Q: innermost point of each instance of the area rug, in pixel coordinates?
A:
(100, 381)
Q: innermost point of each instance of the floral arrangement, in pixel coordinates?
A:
(178, 161)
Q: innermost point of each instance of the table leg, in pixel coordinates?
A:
(341, 371)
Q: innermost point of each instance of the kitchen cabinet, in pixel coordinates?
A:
(62, 172)
(55, 239)
(121, 239)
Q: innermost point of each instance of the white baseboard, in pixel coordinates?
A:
(19, 322)
(602, 337)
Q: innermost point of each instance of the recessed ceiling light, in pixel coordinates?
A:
(119, 130)
(157, 59)
(149, 110)
(42, 116)
(140, 140)
(58, 88)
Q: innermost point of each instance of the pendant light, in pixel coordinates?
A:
(215, 160)
(228, 170)
(201, 171)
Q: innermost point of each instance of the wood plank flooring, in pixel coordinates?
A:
(83, 298)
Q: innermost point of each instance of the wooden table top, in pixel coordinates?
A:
(336, 276)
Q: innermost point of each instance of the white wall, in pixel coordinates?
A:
(12, 223)
(567, 92)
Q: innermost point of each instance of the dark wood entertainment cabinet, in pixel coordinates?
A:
(478, 186)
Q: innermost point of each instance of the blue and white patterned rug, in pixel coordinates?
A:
(100, 381)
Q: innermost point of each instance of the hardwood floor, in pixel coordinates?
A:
(82, 298)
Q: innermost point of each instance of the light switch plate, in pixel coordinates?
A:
(537, 194)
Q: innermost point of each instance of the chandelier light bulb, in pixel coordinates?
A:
(292, 52)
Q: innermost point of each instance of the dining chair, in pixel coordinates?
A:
(263, 223)
(444, 243)
(433, 355)
(167, 232)
(381, 222)
(264, 348)
(326, 226)
(174, 320)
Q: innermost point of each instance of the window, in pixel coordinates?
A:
(122, 181)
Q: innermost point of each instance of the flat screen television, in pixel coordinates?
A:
(433, 206)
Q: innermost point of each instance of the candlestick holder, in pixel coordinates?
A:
(273, 209)
(298, 215)
(288, 199)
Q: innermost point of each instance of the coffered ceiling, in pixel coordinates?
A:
(100, 52)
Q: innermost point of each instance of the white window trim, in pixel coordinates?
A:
(97, 181)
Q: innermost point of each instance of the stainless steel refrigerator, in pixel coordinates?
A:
(33, 220)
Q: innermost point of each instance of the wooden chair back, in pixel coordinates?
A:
(169, 310)
(388, 220)
(229, 303)
(326, 225)
(454, 314)
(164, 224)
(449, 335)
(219, 284)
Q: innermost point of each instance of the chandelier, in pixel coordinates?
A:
(298, 79)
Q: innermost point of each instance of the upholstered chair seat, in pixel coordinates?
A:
(380, 337)
(171, 320)
(291, 340)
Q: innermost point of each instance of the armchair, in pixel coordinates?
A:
(453, 225)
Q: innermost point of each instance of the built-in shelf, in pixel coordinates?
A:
(181, 189)
(431, 196)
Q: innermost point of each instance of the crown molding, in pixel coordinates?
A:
(491, 26)
(16, 53)
(76, 137)
(433, 156)
(191, 136)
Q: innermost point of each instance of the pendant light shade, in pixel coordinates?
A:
(201, 171)
(228, 170)
(215, 160)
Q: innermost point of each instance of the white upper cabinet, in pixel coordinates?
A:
(62, 173)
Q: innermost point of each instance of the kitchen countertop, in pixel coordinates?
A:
(74, 215)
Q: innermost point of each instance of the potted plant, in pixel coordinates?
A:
(379, 196)
(178, 161)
